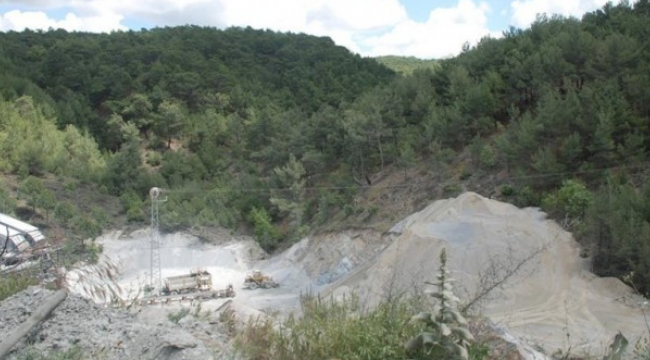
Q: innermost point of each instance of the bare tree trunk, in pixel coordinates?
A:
(39, 315)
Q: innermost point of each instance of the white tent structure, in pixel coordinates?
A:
(17, 236)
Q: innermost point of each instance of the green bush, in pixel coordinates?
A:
(265, 232)
(65, 211)
(331, 330)
(373, 210)
(13, 283)
(84, 227)
(487, 157)
(346, 329)
(324, 206)
(94, 250)
(452, 189)
(571, 200)
(507, 190)
(526, 197)
(349, 209)
(153, 158)
(100, 216)
(465, 175)
(132, 205)
(175, 317)
(445, 155)
(7, 202)
(74, 353)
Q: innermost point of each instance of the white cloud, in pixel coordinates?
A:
(368, 27)
(20, 20)
(525, 11)
(442, 35)
(342, 20)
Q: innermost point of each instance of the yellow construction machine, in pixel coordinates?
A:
(256, 280)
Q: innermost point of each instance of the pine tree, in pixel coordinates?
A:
(290, 192)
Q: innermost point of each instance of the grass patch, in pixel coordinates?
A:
(14, 283)
(74, 353)
(175, 317)
(331, 330)
(395, 329)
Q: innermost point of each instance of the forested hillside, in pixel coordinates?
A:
(407, 65)
(281, 131)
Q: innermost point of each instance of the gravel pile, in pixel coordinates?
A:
(102, 333)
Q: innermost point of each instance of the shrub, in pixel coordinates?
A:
(84, 227)
(487, 157)
(265, 233)
(94, 250)
(452, 189)
(444, 155)
(507, 190)
(571, 200)
(14, 283)
(74, 353)
(642, 349)
(7, 202)
(349, 209)
(65, 211)
(331, 330)
(526, 197)
(100, 216)
(346, 329)
(153, 158)
(132, 206)
(175, 317)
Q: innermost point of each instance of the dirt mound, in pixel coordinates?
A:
(322, 259)
(551, 299)
(101, 332)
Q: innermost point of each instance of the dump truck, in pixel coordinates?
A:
(195, 281)
(258, 280)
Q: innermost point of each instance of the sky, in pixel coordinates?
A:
(421, 28)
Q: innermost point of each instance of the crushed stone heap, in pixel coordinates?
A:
(551, 294)
(100, 332)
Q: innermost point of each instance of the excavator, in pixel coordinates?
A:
(256, 280)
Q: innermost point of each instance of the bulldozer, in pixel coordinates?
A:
(256, 280)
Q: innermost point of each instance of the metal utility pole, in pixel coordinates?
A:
(155, 277)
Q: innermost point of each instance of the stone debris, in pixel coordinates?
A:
(100, 332)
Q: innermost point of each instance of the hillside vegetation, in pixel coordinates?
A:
(407, 64)
(280, 132)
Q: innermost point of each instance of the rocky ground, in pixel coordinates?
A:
(104, 333)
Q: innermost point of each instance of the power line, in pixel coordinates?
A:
(408, 185)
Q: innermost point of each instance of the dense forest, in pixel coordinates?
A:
(406, 65)
(281, 131)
